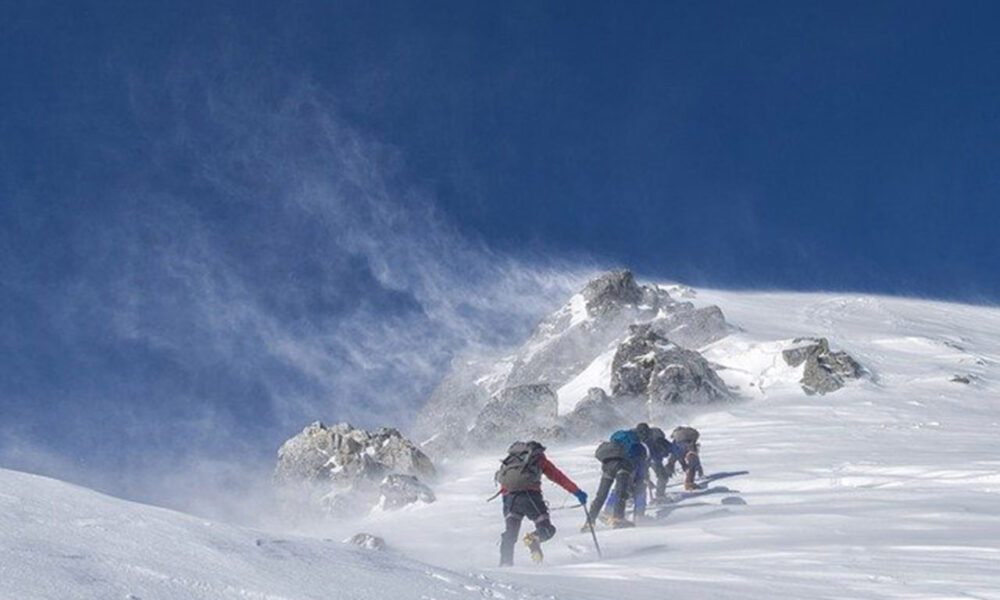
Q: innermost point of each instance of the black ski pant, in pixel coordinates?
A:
(615, 472)
(517, 506)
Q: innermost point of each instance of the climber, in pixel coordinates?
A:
(623, 463)
(685, 450)
(520, 479)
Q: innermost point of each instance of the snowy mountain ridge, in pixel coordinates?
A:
(565, 350)
(885, 489)
(620, 351)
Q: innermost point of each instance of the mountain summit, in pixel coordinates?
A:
(563, 351)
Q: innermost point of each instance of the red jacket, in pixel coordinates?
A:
(554, 475)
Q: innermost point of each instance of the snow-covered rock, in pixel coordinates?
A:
(596, 413)
(825, 371)
(566, 342)
(566, 351)
(649, 366)
(516, 412)
(339, 468)
(693, 328)
(346, 453)
(397, 491)
(366, 541)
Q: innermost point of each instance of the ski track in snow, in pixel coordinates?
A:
(888, 488)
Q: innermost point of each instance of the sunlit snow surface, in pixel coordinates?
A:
(889, 488)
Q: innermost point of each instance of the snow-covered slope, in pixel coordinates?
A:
(59, 541)
(887, 488)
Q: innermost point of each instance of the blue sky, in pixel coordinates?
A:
(219, 221)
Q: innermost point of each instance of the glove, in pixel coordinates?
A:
(581, 496)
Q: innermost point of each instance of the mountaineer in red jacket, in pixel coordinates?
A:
(520, 479)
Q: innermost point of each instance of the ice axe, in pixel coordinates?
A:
(593, 534)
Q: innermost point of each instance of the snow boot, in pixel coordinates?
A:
(619, 523)
(534, 545)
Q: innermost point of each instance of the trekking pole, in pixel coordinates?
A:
(593, 534)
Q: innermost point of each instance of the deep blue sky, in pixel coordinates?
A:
(200, 202)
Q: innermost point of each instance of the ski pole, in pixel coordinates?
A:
(593, 534)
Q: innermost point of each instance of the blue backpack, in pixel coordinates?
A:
(629, 440)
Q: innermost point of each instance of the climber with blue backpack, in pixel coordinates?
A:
(520, 479)
(623, 467)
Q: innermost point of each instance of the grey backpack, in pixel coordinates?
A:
(609, 451)
(521, 470)
(685, 435)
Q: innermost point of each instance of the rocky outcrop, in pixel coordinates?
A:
(693, 328)
(560, 348)
(338, 469)
(571, 338)
(613, 290)
(825, 371)
(515, 412)
(397, 491)
(366, 541)
(345, 453)
(649, 366)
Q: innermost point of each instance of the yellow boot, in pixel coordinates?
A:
(534, 546)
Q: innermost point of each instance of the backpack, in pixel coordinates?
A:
(608, 451)
(629, 441)
(685, 435)
(521, 470)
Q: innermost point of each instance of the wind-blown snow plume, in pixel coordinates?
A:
(260, 265)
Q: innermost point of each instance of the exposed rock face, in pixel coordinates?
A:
(519, 411)
(463, 408)
(825, 371)
(650, 366)
(366, 541)
(338, 469)
(397, 491)
(345, 453)
(571, 338)
(609, 292)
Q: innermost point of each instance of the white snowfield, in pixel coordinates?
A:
(60, 541)
(888, 488)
